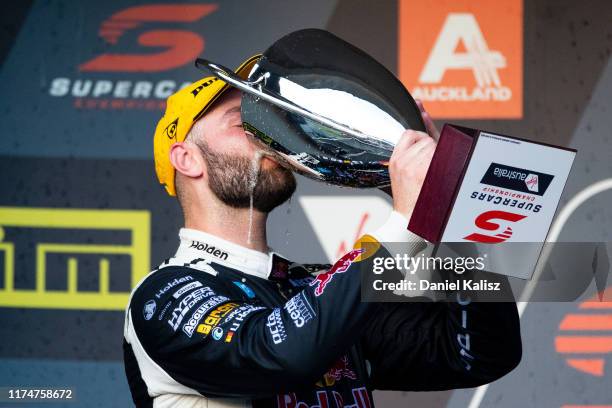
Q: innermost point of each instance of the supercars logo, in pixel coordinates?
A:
(467, 61)
(178, 47)
(341, 266)
(485, 221)
(151, 38)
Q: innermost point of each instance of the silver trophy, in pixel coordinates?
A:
(326, 108)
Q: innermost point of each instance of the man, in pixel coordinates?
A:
(227, 322)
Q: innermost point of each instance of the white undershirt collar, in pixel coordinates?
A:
(197, 244)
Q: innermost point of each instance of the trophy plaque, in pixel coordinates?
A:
(499, 193)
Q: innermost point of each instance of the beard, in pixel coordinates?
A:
(231, 179)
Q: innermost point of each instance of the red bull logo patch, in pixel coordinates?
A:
(323, 279)
(341, 369)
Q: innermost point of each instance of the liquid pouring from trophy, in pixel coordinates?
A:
(333, 113)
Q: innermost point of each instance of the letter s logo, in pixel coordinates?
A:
(181, 46)
(483, 221)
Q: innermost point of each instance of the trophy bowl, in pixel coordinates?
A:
(324, 108)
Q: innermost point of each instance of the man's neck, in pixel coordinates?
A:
(240, 226)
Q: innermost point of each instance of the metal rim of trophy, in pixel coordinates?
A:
(254, 88)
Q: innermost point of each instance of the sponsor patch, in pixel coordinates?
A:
(239, 313)
(276, 326)
(149, 309)
(171, 284)
(186, 288)
(209, 249)
(361, 399)
(217, 333)
(299, 310)
(170, 130)
(517, 179)
(236, 317)
(187, 304)
(322, 279)
(341, 369)
(248, 291)
(164, 310)
(212, 320)
(200, 312)
(297, 283)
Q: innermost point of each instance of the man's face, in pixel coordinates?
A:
(233, 160)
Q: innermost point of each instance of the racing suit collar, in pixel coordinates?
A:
(197, 244)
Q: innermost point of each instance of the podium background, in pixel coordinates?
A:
(89, 152)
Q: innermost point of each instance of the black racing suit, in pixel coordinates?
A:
(200, 330)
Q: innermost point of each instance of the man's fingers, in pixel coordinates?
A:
(422, 147)
(408, 168)
(411, 141)
(430, 126)
(409, 137)
(420, 105)
(432, 130)
(422, 144)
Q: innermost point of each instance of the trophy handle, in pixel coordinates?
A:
(228, 75)
(252, 88)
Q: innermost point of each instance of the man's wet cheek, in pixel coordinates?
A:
(238, 142)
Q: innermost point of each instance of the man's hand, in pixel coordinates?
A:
(409, 164)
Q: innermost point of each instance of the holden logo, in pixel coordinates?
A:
(484, 221)
(532, 182)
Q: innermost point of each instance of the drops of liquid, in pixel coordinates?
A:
(253, 176)
(287, 231)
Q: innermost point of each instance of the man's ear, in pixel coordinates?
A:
(186, 159)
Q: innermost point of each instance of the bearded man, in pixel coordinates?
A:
(227, 322)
